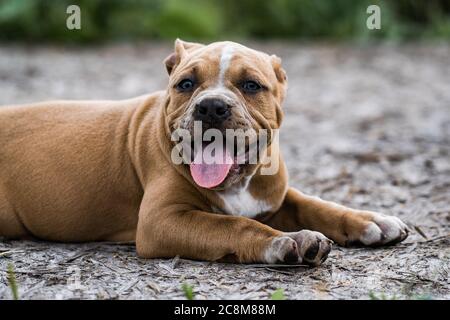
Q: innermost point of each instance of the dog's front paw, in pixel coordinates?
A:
(299, 247)
(313, 247)
(384, 230)
(371, 229)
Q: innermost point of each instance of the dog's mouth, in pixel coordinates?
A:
(212, 165)
(209, 171)
(220, 155)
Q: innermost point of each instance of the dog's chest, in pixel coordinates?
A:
(240, 202)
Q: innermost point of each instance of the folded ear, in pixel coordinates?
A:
(181, 48)
(279, 71)
(190, 46)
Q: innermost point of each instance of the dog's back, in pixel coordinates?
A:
(52, 150)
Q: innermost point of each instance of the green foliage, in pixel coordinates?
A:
(278, 295)
(423, 297)
(11, 276)
(188, 291)
(103, 20)
(382, 296)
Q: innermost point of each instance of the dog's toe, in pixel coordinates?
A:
(305, 246)
(384, 230)
(313, 246)
(282, 249)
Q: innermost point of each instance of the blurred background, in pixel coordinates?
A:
(112, 20)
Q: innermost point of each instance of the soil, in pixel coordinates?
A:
(365, 126)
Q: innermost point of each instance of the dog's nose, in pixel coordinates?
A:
(212, 110)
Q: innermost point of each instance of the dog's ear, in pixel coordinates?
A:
(282, 79)
(279, 71)
(181, 48)
(190, 46)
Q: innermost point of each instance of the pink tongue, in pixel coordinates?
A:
(210, 174)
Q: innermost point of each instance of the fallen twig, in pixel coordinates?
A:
(77, 255)
(419, 231)
(5, 253)
(289, 273)
(128, 287)
(276, 265)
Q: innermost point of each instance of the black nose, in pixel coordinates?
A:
(212, 110)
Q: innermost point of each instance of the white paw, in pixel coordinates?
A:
(384, 229)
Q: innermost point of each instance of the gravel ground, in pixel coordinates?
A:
(368, 127)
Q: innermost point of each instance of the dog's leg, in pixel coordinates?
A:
(179, 230)
(343, 225)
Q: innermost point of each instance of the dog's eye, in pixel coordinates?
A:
(185, 85)
(251, 86)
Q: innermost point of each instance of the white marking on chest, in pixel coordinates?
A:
(225, 59)
(240, 202)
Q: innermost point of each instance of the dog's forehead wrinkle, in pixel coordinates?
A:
(224, 53)
(218, 92)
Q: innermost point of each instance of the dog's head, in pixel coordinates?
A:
(221, 87)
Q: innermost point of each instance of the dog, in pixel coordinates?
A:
(75, 171)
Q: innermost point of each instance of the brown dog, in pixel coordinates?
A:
(102, 170)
